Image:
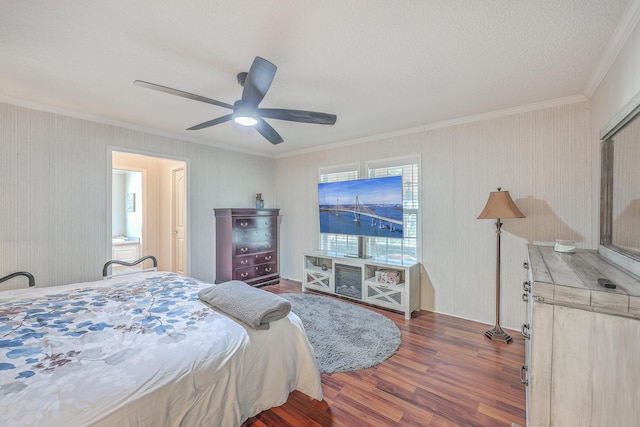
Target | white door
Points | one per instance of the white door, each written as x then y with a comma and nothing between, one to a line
179,221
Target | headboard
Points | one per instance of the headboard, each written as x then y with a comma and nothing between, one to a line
32,280
105,268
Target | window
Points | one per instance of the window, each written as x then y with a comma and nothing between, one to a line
379,247
406,248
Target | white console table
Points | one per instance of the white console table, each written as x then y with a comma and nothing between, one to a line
355,278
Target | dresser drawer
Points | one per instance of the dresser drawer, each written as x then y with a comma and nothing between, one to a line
251,260
255,271
252,248
250,223
255,235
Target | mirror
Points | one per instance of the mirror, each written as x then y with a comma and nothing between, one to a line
620,188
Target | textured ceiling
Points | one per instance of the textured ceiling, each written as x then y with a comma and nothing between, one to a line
380,65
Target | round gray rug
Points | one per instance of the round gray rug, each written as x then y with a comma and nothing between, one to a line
345,337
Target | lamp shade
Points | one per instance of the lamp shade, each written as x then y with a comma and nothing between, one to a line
500,205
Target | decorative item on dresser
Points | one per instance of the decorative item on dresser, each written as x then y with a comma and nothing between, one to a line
499,205
247,246
259,201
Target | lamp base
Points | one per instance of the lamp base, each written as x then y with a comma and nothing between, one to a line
497,334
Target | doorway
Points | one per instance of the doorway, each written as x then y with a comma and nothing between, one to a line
157,209
126,216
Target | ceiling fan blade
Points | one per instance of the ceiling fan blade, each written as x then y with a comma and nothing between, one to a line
182,94
298,116
258,81
212,122
268,132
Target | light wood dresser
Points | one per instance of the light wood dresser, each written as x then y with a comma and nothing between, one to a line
582,363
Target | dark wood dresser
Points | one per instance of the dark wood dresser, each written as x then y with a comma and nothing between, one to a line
247,246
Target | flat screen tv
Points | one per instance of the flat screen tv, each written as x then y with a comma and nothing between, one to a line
362,207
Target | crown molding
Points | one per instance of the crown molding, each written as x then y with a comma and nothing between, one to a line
444,124
125,125
621,34
431,126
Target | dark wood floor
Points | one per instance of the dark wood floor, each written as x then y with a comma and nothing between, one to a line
445,373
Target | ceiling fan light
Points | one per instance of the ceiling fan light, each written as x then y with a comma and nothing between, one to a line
245,120
244,114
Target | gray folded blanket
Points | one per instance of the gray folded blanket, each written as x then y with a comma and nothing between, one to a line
253,306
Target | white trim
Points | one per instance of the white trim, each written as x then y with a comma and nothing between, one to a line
346,167
624,116
621,34
146,153
444,124
431,126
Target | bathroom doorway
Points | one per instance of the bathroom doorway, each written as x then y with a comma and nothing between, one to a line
154,212
126,216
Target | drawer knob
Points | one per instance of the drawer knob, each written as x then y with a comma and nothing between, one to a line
245,274
244,224
526,286
244,261
268,270
525,297
244,249
525,265
267,258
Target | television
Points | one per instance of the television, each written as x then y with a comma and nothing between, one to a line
362,207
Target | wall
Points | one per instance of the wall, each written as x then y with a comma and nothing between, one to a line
55,218
542,157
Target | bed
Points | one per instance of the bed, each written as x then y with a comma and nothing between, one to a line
142,350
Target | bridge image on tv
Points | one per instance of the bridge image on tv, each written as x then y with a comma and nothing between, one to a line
362,220
369,207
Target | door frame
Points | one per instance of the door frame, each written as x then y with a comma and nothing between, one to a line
113,148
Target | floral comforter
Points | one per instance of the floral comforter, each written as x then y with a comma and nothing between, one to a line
142,350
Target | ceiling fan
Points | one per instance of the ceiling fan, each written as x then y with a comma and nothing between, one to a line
246,112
